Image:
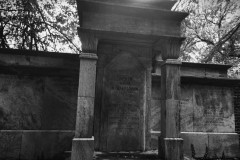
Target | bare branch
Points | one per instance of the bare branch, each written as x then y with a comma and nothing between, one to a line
218,45
205,40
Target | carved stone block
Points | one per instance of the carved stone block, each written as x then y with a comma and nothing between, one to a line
82,149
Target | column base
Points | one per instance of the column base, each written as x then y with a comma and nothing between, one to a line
170,148
82,149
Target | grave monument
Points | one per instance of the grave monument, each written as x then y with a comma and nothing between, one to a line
127,35
126,92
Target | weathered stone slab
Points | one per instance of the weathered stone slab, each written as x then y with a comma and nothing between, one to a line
129,24
33,103
200,70
224,142
214,73
123,103
213,109
10,57
45,144
82,149
154,139
192,71
155,115
203,108
58,104
10,144
204,70
216,143
156,106
199,141
173,148
64,143
36,145
20,103
186,109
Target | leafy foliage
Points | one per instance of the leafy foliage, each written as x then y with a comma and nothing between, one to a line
212,31
48,25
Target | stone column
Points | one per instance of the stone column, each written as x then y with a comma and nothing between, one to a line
170,143
83,142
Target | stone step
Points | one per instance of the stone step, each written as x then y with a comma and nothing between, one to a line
114,158
123,156
126,156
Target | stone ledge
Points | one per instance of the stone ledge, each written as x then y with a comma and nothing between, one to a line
88,56
217,143
172,61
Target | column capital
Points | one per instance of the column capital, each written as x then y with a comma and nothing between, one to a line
171,47
89,41
92,56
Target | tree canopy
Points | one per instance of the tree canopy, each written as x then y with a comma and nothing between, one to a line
48,25
212,31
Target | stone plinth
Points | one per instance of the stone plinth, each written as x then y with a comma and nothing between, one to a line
82,149
173,148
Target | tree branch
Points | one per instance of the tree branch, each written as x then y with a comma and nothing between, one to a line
205,40
218,45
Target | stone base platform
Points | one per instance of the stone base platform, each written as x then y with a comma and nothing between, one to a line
82,149
216,142
150,155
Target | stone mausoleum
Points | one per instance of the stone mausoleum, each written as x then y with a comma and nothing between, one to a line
127,92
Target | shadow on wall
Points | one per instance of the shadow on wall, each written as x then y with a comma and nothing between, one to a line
35,145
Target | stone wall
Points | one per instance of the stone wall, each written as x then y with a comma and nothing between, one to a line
38,100
207,109
207,118
35,144
37,116
237,109
37,103
204,108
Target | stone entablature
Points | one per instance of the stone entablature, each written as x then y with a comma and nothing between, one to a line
198,70
154,4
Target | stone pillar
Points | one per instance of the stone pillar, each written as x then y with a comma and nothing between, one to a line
170,145
83,142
